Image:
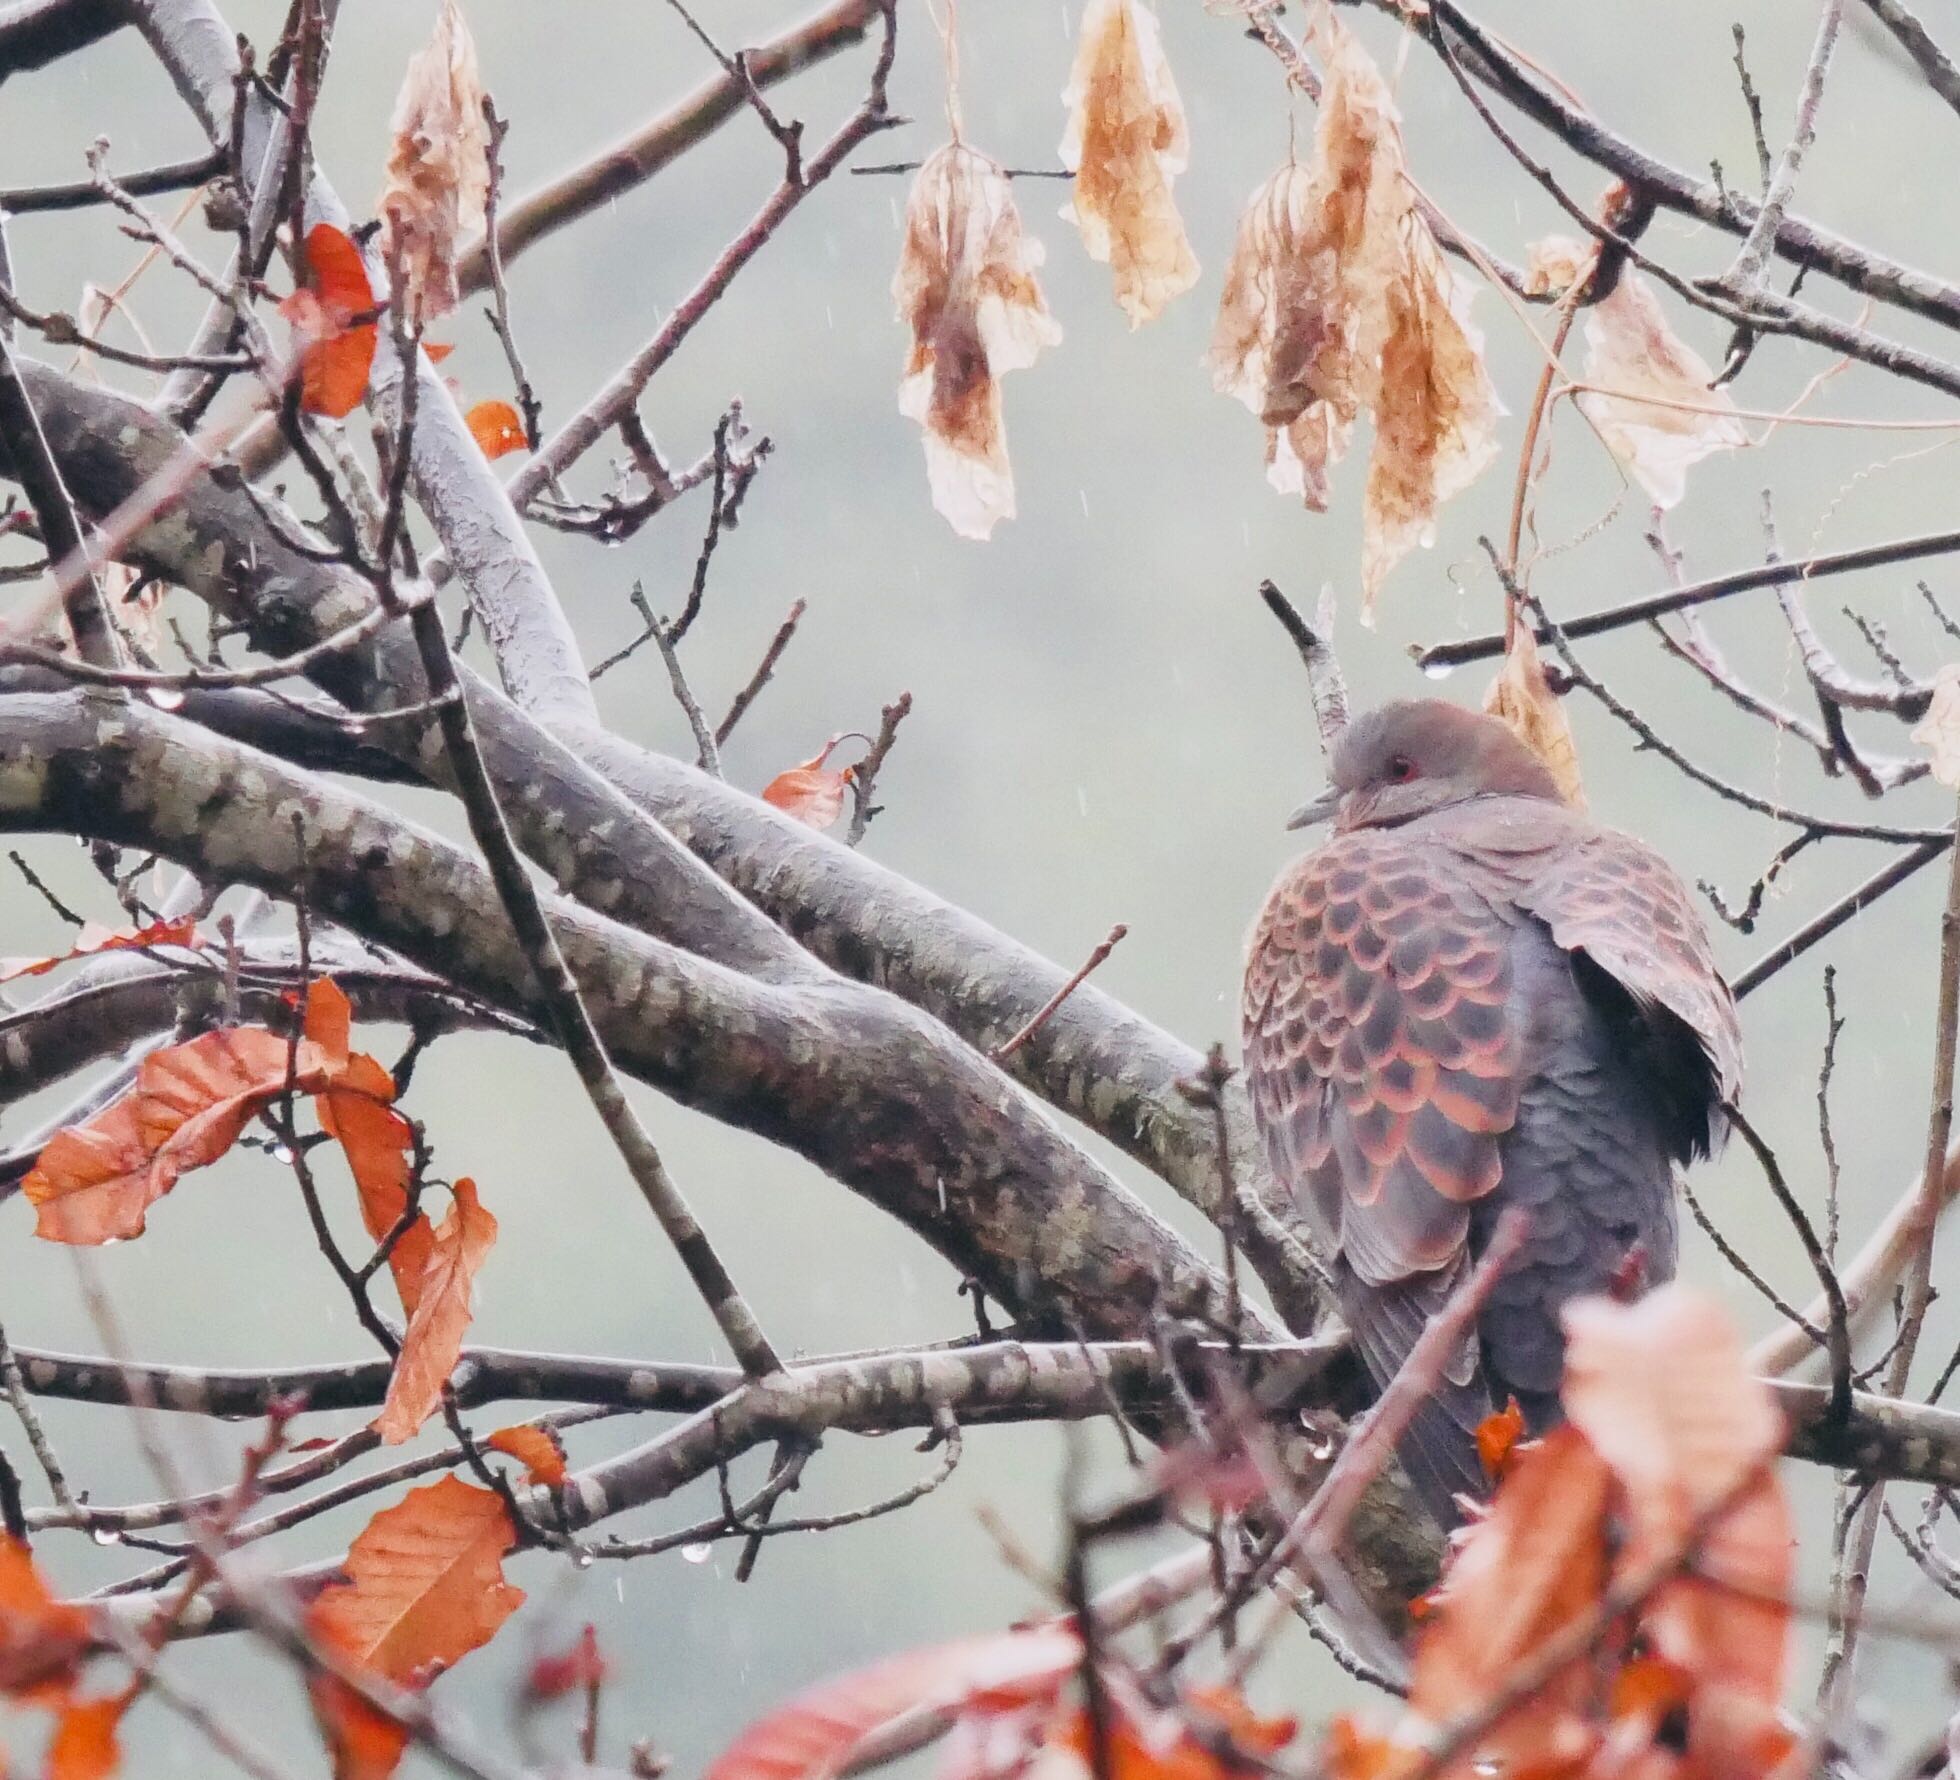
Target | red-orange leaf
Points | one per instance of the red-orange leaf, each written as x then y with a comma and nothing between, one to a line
497,428
336,344
810,792
434,1337
83,1746
94,1182
556,1674
538,1450
355,1109
1167,1749
425,1583
40,1637
812,1737
1497,1434
92,939
366,1744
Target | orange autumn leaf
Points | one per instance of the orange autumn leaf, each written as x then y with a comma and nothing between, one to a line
1126,143
425,1583
95,1182
1497,1437
434,1337
1167,1748
497,428
811,1737
365,1743
557,1673
41,1638
1663,1390
84,1746
1533,1567
93,938
966,288
332,318
538,1450
356,1110
811,792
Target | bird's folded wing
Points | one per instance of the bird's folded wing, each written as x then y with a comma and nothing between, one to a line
1615,899
1381,1052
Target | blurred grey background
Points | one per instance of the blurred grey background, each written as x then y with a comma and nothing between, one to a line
1107,727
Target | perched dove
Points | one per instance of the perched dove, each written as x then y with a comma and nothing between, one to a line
1473,997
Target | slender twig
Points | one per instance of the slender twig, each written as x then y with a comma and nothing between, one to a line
1592,624
864,775
37,1438
1913,37
765,669
1822,925
498,314
1007,1047
1325,684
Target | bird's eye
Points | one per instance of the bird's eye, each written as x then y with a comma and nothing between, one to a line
1401,769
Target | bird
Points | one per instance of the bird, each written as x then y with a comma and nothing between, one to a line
1473,997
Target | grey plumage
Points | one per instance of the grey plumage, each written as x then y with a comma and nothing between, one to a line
1474,997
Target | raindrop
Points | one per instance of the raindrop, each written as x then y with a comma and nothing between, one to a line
282,1153
165,698
581,1559
698,1554
1438,670
105,1535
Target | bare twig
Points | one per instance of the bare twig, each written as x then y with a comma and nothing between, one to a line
765,669
864,775
1009,1046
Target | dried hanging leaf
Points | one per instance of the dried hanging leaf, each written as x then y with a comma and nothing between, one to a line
433,1339
438,174
497,428
966,287
1663,1390
93,938
336,348
1126,143
41,1638
810,792
1555,263
1523,700
84,1746
1337,299
94,1182
538,1450
1939,729
1631,350
811,1737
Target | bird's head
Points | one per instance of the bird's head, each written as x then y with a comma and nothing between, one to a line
1417,755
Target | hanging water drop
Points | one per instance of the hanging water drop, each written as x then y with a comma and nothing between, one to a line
1437,670
165,698
697,1554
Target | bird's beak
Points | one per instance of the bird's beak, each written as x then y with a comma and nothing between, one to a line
1316,811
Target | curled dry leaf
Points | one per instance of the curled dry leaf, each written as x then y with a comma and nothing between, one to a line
496,427
1939,730
1662,418
1523,700
966,287
811,792
433,1339
538,1450
438,174
335,345
1337,299
1555,263
93,938
1663,1391
1126,143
